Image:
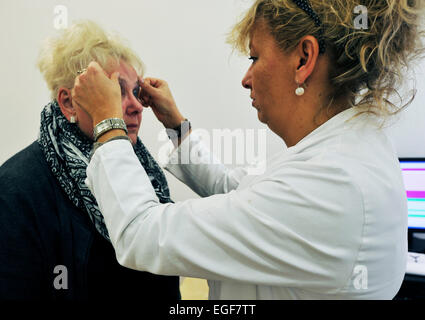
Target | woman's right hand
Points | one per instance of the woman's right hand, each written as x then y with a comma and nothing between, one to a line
156,95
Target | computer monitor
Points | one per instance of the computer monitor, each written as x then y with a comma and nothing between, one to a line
413,170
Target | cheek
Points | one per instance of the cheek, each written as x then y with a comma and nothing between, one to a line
261,87
262,79
138,116
274,83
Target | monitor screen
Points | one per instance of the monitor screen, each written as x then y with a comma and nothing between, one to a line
413,171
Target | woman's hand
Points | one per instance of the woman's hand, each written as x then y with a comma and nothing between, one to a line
97,94
156,94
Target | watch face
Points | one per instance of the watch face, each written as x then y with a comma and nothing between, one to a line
108,124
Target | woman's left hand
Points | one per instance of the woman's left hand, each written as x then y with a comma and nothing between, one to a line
97,93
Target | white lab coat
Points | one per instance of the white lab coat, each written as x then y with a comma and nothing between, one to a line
327,219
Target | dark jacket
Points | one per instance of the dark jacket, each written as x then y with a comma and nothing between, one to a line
50,250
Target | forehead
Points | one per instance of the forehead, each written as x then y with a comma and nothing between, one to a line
260,35
264,43
126,71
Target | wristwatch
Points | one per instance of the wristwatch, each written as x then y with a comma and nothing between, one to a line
180,130
107,125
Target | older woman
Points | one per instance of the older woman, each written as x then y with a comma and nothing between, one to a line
327,220
53,239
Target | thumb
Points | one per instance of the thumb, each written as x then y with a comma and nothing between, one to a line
147,88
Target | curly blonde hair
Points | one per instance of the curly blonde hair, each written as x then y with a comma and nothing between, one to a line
61,57
367,65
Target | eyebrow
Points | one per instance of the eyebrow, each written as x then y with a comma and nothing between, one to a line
251,46
124,83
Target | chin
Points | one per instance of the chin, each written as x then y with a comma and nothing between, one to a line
261,118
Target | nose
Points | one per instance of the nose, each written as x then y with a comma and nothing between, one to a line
247,80
132,106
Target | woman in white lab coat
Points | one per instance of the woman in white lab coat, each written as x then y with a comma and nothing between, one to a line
328,217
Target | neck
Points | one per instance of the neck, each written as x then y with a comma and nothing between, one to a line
306,117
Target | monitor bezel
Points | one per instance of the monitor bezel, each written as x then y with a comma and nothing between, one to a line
411,159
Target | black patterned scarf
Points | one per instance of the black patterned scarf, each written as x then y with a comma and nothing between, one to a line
67,151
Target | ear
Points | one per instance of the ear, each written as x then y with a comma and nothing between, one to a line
64,99
307,53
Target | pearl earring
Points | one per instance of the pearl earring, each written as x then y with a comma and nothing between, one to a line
299,91
73,119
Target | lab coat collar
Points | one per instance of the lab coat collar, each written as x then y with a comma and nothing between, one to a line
334,126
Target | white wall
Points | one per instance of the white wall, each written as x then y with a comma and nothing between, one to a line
408,133
181,41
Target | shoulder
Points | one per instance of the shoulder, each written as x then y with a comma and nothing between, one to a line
30,153
30,199
25,179
26,168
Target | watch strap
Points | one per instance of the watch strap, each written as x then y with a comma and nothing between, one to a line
180,130
97,145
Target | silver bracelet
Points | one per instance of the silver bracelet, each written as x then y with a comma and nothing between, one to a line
108,125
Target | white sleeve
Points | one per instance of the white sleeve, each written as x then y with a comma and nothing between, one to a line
281,232
194,165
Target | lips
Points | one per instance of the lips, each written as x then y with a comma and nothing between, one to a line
253,99
132,126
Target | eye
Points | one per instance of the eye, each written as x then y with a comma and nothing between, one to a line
136,92
253,59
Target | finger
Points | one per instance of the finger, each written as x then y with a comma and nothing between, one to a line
93,65
78,105
155,82
145,104
146,100
142,96
115,76
144,81
76,85
74,99
147,89
140,81
95,68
